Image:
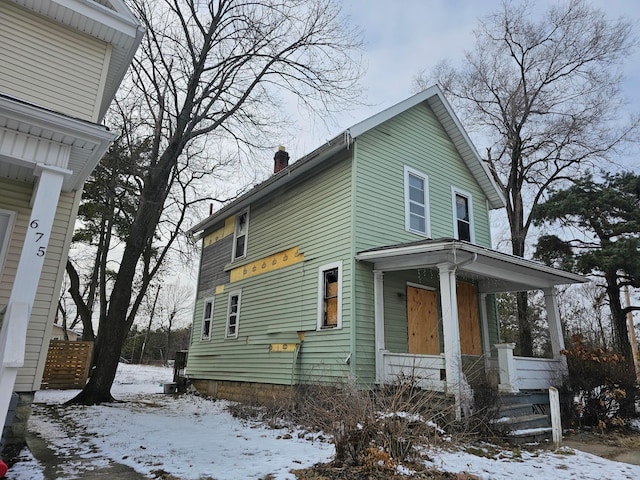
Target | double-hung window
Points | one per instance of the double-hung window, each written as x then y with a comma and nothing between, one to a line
240,235
6,225
233,314
207,319
416,202
462,216
330,296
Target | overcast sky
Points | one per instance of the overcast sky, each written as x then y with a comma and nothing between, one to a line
404,37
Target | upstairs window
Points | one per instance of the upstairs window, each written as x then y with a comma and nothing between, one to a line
207,319
463,216
330,296
240,235
416,202
233,314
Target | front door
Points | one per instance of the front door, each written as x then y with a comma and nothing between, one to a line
468,319
422,315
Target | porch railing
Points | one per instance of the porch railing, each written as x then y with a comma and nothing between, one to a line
426,369
526,373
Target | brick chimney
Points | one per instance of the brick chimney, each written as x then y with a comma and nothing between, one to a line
280,160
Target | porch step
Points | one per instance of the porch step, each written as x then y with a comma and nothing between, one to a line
522,422
533,435
524,417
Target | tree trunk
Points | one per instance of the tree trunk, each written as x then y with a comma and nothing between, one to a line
518,237
618,316
114,328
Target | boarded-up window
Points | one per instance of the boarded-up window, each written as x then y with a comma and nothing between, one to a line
207,318
330,296
469,319
422,318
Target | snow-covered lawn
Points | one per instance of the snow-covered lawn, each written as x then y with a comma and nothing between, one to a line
191,437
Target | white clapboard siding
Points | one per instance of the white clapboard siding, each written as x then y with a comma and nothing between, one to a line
15,196
49,65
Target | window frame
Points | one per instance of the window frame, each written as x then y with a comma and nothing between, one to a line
234,253
210,300
320,326
5,237
408,172
455,192
232,294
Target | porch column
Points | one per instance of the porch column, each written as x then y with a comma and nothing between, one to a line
555,327
508,369
378,302
44,203
451,333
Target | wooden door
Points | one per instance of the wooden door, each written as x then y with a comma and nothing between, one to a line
422,317
468,319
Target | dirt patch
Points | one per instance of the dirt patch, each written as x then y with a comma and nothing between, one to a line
619,446
330,471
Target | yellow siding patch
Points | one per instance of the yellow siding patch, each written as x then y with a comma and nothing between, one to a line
282,347
228,229
219,289
267,264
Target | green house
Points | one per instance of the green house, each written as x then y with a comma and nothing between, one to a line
367,258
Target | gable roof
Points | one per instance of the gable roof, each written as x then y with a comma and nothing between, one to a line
432,96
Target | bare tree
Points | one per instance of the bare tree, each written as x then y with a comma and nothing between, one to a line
208,73
546,94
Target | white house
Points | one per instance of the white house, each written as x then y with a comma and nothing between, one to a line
61,62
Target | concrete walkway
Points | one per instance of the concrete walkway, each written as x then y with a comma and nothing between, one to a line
70,466
611,450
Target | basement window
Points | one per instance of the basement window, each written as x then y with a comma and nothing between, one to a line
330,296
207,319
233,314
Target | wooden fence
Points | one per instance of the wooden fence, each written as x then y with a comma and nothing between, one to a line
68,364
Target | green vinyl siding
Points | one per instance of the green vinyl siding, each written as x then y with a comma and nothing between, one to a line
314,216
417,140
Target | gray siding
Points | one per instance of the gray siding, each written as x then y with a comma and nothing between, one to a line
213,260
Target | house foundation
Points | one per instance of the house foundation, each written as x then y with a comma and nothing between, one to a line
246,392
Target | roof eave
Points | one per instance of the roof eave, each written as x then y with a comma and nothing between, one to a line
274,182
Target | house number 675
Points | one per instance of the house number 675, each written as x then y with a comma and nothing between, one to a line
39,235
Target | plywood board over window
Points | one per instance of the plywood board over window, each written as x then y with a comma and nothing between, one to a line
422,316
468,319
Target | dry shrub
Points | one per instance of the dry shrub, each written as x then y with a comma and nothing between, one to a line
378,427
601,386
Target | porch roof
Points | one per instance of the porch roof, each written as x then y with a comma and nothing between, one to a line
494,271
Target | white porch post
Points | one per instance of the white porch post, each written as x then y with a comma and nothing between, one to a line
555,327
378,301
16,319
451,333
508,370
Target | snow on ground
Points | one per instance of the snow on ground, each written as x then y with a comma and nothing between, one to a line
192,437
